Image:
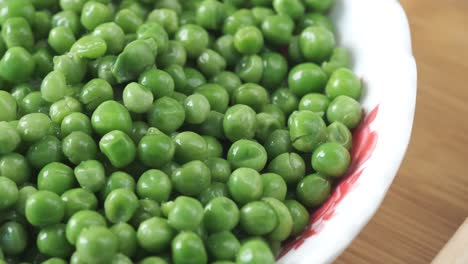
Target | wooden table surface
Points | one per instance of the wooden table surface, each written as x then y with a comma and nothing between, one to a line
429,198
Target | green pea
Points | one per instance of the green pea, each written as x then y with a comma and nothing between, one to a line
33,127
345,110
211,63
343,82
136,57
75,122
313,190
285,222
54,87
315,19
307,130
261,11
43,61
120,205
44,151
14,238
97,244
255,251
155,234
17,65
94,14
62,108
16,32
54,261
118,180
154,185
340,58
223,246
245,185
292,8
228,80
224,46
275,69
248,40
221,214
314,102
194,39
55,177
118,147
194,79
15,167
299,214
159,82
61,39
339,133
331,159
266,125
9,107
220,169
156,150
166,114
217,96
216,189
110,116
156,32
278,29
96,92
317,43
127,238
210,14
166,17
79,147
319,6
214,147
247,154
137,98
306,78
77,200
170,4
21,8
113,35
44,208
72,5
175,54
90,175
128,20
239,122
258,218
18,93
189,146
8,193
104,69
72,66
250,69
82,220
197,108
239,19
290,166
90,47
146,210
68,19
51,241
212,126
9,138
152,260
187,248
277,143
186,213
192,178
274,186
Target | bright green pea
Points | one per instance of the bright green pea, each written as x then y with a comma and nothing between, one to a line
54,87
79,147
278,29
54,261
118,147
82,220
9,107
113,35
21,8
299,214
217,96
224,46
274,186
313,190
97,244
261,11
345,110
14,238
127,238
306,78
33,127
194,79
266,125
258,218
220,169
214,147
221,214
154,185
72,66
16,32
76,122
197,108
167,18
120,205
120,258
194,39
275,70
292,8
72,5
167,114
152,260
128,20
175,54
285,222
178,75
55,177
187,247
315,19
8,193
61,39
247,154
90,47
213,125
314,102
216,189
239,19
223,246
44,151
248,40
51,241
18,93
343,82
228,80
155,32
155,234
159,82
62,108
189,146
285,99
319,5
192,178
43,61
118,180
290,166
97,91
331,159
109,116
137,98
146,210
156,151
316,43
104,68
278,142
255,251
341,58
245,185
186,213
94,14
90,175
211,63
17,65
77,200
136,7
15,166
339,133
44,208
9,138
210,14
136,57
307,130
250,69
239,122
68,19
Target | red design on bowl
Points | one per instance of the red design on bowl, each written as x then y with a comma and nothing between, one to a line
364,142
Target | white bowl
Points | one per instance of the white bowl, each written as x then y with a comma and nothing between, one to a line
377,33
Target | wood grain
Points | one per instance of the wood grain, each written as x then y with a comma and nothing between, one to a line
429,198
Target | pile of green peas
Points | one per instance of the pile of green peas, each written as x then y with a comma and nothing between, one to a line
168,131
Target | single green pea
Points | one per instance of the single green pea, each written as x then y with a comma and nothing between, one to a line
79,147
76,122
319,6
77,200
307,130
299,214
216,189
136,57
248,40
294,8
275,70
192,178
33,127
82,220
17,65
220,169
316,43
155,234
175,54
210,62
278,142
250,68
274,186
55,177
16,32
197,108
166,17
217,96
51,241
8,193
223,246
210,14
178,75
277,29
214,147
61,39
228,80
9,138
62,108
127,238
15,166
159,82
166,114
137,98
22,8
340,58
258,218
94,14
90,175
266,125
156,32
285,99
154,185
118,147
18,93
90,47
113,35
104,67
96,92
247,154
314,102
194,39
194,79
225,47
68,19
306,78
120,258
339,133
285,222
44,62
136,7
313,190
186,213
239,122
187,247
290,166
315,19
221,214
44,151
118,180
146,210
239,19
261,11
189,146
54,87
156,151
97,244
245,185
213,125
255,251
343,82
345,110
44,208
109,116
331,159
128,20
72,66
14,238
120,205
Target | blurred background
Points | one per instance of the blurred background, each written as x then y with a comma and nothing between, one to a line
429,198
